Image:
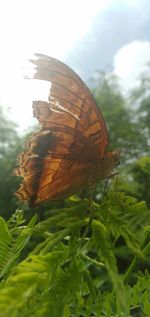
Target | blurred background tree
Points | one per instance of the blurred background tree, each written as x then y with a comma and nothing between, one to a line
140,98
10,146
122,118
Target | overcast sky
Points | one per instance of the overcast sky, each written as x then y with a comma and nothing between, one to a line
119,39
89,35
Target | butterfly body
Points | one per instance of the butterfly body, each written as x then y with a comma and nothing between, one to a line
70,150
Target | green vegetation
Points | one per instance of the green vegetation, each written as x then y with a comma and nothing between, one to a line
67,266
77,258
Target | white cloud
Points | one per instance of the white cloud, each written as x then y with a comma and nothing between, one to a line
130,61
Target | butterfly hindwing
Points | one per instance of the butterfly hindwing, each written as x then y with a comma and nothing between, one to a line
54,165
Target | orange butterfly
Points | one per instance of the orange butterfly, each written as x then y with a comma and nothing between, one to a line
70,150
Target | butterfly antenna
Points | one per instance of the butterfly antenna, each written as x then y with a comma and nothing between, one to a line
138,132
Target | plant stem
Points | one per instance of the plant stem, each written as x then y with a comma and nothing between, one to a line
92,261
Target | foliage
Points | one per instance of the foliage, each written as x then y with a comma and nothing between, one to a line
10,146
70,265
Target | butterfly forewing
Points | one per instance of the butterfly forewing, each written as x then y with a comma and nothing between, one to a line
70,98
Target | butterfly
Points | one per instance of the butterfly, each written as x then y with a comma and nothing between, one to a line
69,151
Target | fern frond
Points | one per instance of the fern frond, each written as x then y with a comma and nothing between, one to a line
10,246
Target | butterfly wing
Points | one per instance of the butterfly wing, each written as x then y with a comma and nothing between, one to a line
61,158
54,165
70,102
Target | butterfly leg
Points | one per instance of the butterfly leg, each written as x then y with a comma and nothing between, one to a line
107,181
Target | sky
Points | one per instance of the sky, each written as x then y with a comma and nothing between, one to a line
89,35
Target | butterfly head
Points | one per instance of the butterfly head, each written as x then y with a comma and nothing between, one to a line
112,160
107,164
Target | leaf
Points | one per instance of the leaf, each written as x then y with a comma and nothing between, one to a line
4,232
10,248
106,254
